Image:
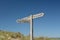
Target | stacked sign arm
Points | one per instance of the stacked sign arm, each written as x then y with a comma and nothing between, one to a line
38,15
23,20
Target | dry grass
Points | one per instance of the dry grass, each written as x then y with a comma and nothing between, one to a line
5,35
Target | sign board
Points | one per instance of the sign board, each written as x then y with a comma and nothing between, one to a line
27,19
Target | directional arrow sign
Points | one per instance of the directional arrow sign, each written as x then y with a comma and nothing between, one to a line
38,15
27,19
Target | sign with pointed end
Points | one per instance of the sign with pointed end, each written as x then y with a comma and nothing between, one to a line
27,19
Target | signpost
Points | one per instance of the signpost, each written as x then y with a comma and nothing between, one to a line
29,19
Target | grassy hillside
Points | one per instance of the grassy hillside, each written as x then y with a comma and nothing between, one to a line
5,35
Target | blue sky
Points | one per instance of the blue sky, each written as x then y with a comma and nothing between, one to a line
49,25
